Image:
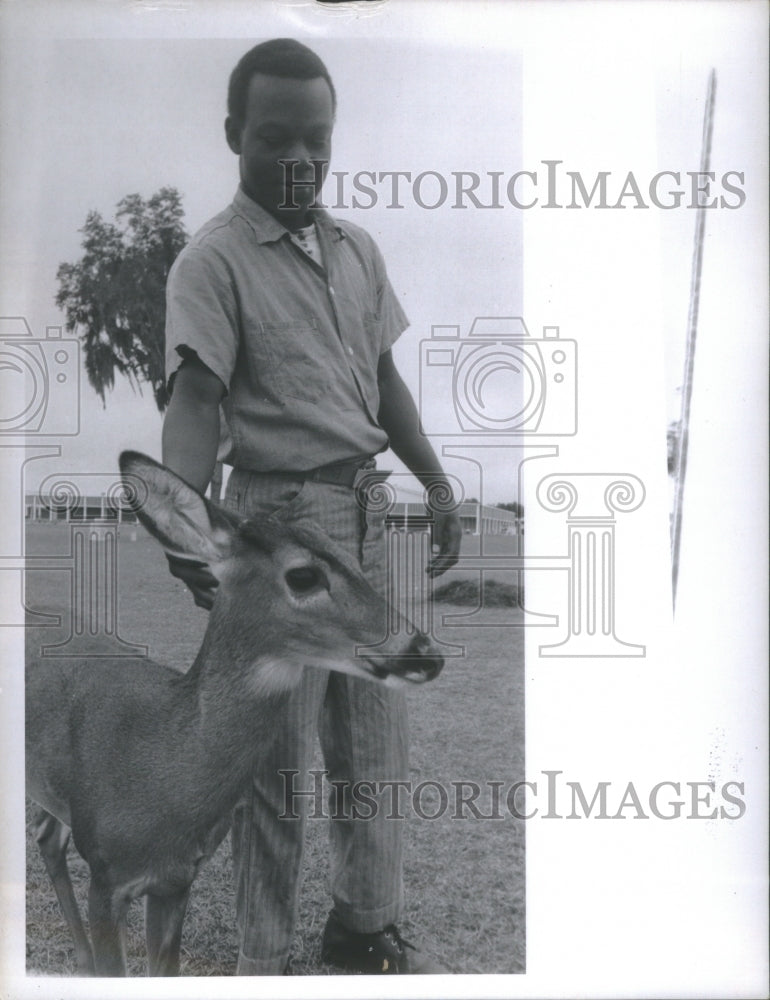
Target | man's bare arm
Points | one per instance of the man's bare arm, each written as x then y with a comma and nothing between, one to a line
190,443
191,426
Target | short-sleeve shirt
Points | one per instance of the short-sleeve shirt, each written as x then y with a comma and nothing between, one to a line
295,344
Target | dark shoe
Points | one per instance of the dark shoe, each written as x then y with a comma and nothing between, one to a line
384,952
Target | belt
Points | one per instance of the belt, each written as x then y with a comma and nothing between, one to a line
336,473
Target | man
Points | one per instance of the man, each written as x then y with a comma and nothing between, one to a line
284,318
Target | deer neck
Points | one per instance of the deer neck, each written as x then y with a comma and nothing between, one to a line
237,700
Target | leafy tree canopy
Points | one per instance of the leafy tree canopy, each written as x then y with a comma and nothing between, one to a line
513,505
114,296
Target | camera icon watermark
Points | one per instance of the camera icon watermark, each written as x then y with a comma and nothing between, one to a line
501,380
40,381
498,397
39,403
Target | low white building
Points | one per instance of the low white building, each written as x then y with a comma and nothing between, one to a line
407,510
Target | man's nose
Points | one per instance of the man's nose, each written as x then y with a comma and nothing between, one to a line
300,152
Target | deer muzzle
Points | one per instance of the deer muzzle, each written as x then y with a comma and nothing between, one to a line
419,662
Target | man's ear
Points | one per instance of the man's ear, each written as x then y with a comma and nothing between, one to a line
233,135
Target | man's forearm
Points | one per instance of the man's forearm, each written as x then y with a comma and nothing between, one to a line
419,457
401,422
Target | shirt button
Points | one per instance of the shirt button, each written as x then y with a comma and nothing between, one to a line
331,290
350,351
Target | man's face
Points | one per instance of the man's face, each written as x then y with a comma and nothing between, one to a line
285,120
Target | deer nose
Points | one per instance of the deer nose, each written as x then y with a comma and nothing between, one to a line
422,660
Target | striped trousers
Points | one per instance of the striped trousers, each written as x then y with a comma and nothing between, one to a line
364,737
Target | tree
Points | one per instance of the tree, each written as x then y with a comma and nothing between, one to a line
114,296
513,505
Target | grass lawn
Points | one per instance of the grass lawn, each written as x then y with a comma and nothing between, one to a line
464,876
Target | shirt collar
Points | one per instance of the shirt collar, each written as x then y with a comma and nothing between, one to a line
268,230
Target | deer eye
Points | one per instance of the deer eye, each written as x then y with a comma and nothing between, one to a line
305,579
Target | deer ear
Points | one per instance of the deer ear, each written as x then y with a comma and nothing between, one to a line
183,521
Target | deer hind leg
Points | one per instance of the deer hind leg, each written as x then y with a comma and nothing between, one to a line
107,916
164,917
53,837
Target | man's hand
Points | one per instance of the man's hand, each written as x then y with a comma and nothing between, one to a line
446,536
197,576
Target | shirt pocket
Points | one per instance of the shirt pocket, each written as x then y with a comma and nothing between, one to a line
299,366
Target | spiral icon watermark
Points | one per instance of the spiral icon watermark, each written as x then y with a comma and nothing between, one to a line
60,496
443,497
127,493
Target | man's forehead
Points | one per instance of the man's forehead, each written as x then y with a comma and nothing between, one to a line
269,93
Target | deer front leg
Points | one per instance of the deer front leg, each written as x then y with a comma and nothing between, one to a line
53,837
107,917
163,920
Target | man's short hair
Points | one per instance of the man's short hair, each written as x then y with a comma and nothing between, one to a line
284,57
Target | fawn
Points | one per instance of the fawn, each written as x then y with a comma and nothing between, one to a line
141,764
